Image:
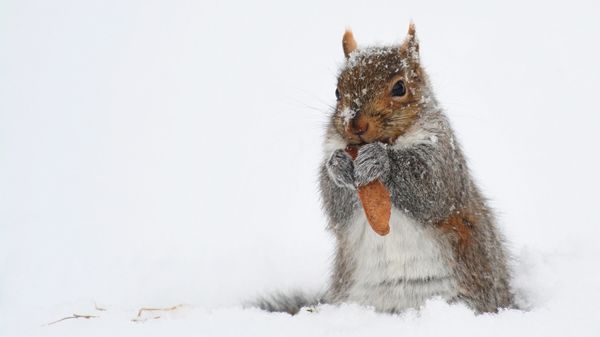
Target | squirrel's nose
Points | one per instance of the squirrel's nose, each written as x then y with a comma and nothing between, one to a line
359,128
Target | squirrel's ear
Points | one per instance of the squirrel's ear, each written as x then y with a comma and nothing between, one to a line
348,43
411,43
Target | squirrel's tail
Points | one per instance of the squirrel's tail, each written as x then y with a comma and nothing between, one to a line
290,302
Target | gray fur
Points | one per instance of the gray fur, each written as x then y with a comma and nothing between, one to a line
371,163
290,303
341,169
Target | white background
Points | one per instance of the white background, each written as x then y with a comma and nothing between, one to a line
163,152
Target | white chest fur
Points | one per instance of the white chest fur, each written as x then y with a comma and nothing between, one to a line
400,270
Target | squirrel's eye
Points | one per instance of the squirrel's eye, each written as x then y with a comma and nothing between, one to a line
337,94
398,90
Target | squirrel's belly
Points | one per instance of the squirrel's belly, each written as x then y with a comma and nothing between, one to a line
400,270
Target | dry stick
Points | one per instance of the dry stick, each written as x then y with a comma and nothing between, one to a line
72,317
138,318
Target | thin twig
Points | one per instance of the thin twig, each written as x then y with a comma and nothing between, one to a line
139,318
72,317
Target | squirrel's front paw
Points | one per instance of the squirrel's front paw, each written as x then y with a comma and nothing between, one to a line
372,162
341,169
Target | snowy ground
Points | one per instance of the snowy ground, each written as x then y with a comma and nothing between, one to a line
154,153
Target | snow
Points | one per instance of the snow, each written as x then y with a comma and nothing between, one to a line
363,54
347,113
163,153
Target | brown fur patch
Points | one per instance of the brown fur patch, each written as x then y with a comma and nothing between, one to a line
412,30
458,225
404,110
348,42
411,39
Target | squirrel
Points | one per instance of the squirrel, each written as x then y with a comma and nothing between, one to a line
444,241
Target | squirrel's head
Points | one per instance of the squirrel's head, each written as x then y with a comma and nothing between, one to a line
379,91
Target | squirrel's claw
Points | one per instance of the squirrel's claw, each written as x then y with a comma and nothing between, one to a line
341,169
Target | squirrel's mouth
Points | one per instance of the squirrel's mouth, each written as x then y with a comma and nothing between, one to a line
358,142
361,141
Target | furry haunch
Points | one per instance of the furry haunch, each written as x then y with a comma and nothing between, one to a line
443,240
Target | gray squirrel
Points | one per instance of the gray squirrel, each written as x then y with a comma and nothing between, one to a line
443,240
